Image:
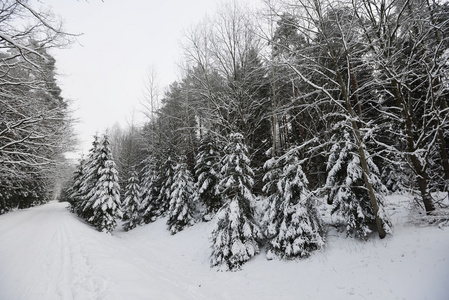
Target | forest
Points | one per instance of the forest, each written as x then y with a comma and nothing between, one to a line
35,120
278,112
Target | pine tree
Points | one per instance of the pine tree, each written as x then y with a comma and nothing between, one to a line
236,235
131,204
347,190
150,192
293,226
207,169
181,206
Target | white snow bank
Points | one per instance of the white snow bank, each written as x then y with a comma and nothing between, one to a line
48,253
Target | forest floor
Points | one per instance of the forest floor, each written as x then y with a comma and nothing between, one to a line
48,253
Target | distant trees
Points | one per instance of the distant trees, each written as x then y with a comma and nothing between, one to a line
34,119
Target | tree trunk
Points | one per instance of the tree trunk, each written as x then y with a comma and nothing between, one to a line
421,174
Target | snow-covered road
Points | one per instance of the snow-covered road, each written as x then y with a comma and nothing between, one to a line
43,256
48,253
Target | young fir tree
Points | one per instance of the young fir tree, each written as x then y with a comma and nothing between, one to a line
207,168
346,187
180,213
131,204
292,223
150,187
104,198
236,236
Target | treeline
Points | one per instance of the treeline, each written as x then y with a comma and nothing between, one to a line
34,118
308,102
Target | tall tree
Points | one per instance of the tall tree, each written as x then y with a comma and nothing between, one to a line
332,67
407,42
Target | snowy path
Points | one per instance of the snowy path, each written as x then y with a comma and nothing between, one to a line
47,253
42,257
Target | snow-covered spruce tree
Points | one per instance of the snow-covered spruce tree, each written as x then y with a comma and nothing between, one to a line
180,213
88,180
131,204
273,200
162,202
207,168
75,196
293,226
236,235
103,200
346,187
150,187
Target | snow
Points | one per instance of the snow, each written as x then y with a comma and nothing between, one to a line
48,253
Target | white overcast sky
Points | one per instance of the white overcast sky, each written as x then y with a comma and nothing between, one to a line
105,70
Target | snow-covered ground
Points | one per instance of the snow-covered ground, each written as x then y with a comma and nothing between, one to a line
48,253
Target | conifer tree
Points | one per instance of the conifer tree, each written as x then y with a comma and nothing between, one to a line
89,180
131,204
150,187
102,207
293,226
207,169
347,191
272,214
236,235
181,206
75,197
162,203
